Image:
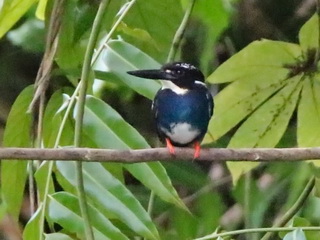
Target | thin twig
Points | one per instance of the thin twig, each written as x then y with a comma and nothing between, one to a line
294,209
162,154
180,32
256,230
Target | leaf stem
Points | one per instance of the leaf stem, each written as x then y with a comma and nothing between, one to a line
294,209
125,10
80,111
180,32
150,203
257,230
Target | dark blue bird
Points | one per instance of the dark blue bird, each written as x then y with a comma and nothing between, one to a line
183,107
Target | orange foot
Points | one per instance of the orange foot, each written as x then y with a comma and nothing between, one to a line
197,149
170,146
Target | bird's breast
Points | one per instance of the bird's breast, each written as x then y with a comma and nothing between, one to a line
181,133
182,117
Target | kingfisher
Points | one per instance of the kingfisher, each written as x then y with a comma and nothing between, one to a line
183,106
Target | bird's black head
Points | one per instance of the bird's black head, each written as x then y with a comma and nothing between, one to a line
181,74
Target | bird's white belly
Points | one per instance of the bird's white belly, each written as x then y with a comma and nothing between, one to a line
181,133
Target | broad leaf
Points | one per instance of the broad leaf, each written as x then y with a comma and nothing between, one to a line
309,108
295,235
64,209
53,116
254,78
265,127
110,196
16,134
309,115
32,230
243,97
265,87
309,34
258,58
302,222
107,129
57,236
120,57
41,9
160,19
11,12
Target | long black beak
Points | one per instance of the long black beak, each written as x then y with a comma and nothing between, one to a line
150,74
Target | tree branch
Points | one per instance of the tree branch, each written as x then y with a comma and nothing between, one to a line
162,154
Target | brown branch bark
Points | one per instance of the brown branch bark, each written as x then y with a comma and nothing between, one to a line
161,154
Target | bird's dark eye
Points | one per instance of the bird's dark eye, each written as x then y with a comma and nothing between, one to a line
178,72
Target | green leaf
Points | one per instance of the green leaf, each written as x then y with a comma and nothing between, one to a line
29,36
309,34
111,197
11,12
32,229
265,127
41,9
208,202
302,222
295,235
308,132
64,209
184,224
254,78
52,120
243,97
138,33
70,53
107,129
154,176
120,57
215,15
160,19
180,173
41,179
57,236
13,172
258,58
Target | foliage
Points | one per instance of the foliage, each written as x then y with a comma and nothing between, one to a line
269,81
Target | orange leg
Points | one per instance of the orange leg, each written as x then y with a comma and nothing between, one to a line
197,149
170,146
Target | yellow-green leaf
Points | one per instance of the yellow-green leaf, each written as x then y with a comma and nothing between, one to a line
309,34
266,126
11,12
257,58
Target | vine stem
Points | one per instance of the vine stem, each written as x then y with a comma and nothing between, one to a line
257,230
247,202
69,108
80,111
180,32
294,209
51,163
